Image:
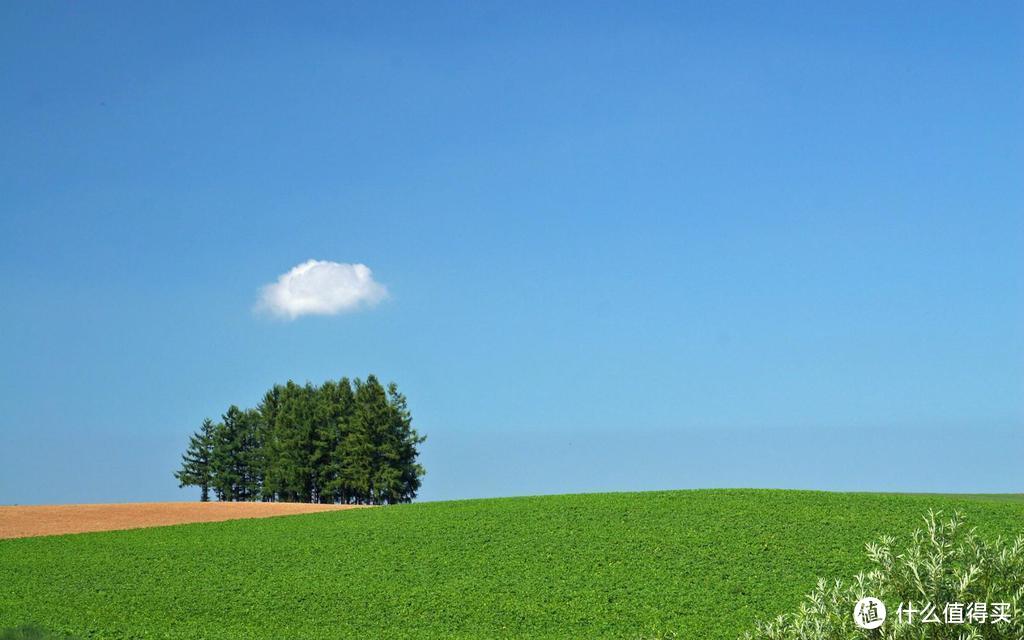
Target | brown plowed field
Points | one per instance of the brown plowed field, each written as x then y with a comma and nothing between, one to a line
22,522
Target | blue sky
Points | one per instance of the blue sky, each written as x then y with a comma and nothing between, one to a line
625,247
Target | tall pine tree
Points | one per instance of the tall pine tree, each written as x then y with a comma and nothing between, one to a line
334,418
195,462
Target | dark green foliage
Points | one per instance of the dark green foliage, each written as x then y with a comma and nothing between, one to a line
226,460
684,564
195,462
327,443
236,462
330,447
379,452
398,475
291,450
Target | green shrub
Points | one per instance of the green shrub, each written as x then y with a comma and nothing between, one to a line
945,563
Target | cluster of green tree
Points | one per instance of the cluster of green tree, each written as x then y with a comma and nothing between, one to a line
340,442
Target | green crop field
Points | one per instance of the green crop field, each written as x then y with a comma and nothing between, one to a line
688,564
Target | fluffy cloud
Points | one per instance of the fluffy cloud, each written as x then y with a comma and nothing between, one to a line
323,288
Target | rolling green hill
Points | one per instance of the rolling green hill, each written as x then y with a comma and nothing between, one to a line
697,564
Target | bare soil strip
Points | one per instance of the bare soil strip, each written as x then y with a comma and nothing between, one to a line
26,521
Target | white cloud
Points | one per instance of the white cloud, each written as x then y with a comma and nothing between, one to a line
321,287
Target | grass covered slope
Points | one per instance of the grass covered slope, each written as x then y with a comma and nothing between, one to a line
699,564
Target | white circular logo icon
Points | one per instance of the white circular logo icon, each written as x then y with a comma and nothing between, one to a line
869,613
